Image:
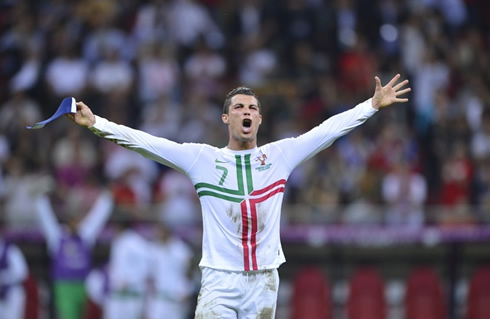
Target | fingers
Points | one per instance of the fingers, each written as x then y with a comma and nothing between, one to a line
400,85
394,80
403,91
402,100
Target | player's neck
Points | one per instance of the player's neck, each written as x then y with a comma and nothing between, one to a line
235,145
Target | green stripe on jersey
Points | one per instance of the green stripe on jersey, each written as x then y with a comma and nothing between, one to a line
207,189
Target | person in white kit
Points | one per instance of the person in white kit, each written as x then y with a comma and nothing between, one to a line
170,274
240,188
128,272
13,273
97,288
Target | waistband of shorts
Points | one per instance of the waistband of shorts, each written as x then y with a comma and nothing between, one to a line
245,272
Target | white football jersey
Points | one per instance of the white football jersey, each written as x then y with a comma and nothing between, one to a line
241,192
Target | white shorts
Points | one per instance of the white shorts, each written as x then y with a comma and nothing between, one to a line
237,294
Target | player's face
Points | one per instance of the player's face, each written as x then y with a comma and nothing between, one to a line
243,121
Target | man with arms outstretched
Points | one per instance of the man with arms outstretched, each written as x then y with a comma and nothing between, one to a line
241,188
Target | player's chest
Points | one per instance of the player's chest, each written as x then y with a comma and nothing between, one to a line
241,174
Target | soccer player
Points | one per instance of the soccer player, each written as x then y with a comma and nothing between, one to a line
241,187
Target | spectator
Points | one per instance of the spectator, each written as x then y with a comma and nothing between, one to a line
171,260
97,288
112,74
198,24
73,158
162,117
128,269
151,23
67,73
13,273
104,33
432,75
480,142
158,73
176,200
204,70
70,244
482,191
20,185
17,112
404,192
130,174
457,175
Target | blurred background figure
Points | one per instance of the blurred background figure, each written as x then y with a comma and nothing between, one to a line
176,201
170,276
13,273
128,269
404,192
21,183
67,74
74,159
97,288
70,241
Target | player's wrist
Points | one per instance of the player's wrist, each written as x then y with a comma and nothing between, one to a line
91,120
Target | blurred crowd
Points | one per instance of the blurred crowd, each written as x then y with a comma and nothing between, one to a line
165,66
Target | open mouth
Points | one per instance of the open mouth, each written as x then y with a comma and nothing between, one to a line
247,126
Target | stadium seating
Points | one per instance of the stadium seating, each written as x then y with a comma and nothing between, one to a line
311,295
366,299
424,297
478,300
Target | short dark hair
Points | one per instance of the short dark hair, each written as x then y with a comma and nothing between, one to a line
239,90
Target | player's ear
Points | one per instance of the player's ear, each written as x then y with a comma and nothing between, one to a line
224,118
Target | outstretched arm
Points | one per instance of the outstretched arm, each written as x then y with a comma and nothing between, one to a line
389,94
172,154
297,150
94,222
83,116
48,222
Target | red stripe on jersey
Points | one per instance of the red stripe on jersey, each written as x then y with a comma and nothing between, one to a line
246,261
271,186
253,210
254,222
253,235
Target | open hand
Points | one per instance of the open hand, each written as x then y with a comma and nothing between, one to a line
389,94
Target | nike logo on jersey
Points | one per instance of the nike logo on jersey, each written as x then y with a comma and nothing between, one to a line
218,161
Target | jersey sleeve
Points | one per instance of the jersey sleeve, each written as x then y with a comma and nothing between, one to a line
299,149
180,156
